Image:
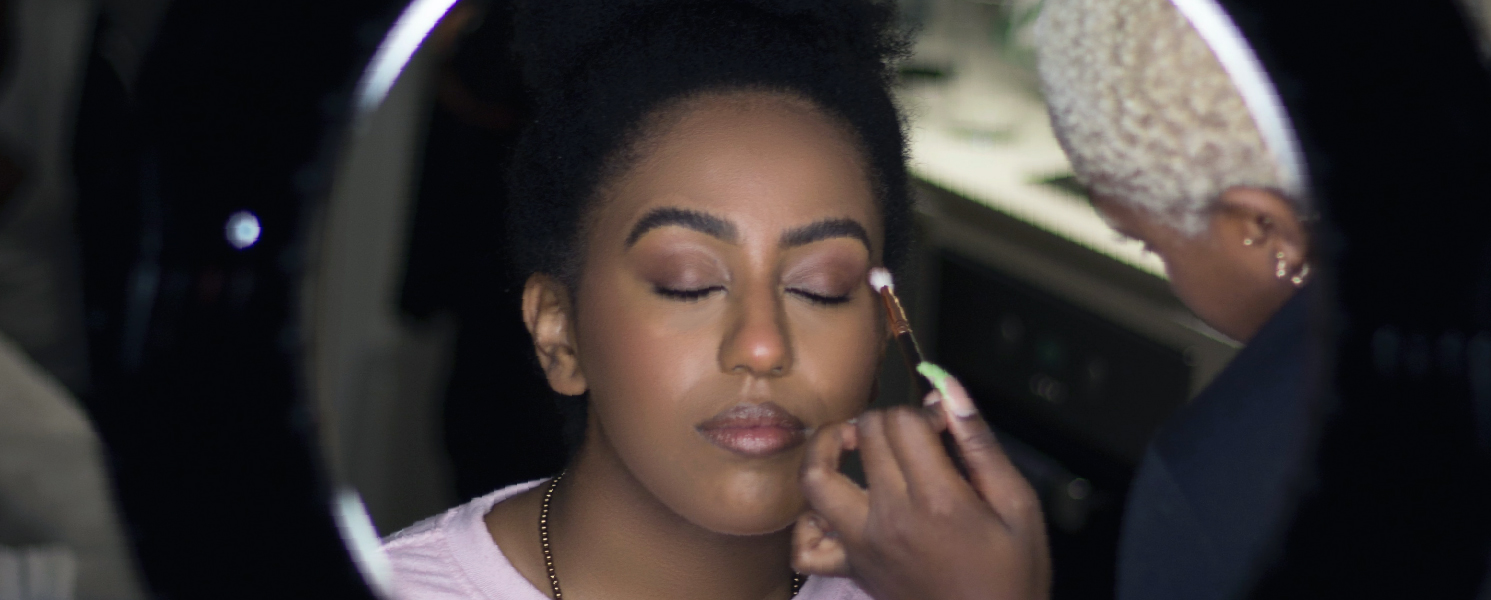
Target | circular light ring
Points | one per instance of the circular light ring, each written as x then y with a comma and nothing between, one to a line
1232,50
393,54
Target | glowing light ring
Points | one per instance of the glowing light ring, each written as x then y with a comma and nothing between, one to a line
408,32
361,538
1258,91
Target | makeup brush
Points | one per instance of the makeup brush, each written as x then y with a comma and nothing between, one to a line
884,284
926,375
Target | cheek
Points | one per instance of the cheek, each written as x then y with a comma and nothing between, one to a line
1183,280
1200,281
837,354
639,364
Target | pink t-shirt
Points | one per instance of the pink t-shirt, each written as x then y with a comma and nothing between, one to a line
451,556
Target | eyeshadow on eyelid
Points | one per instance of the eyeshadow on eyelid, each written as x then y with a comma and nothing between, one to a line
684,268
832,280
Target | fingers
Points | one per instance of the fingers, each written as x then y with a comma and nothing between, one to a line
932,411
816,551
882,472
989,469
931,478
834,496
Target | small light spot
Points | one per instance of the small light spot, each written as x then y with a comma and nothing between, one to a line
1078,489
242,229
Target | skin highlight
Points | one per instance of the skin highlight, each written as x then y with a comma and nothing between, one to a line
725,269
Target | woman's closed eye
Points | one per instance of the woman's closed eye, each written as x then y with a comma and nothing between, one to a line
826,278
697,294
687,294
818,297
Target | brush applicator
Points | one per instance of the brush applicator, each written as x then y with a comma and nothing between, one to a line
882,282
927,376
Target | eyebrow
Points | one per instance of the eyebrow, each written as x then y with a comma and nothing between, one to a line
701,222
724,230
826,229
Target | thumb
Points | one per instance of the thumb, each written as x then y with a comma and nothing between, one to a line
816,550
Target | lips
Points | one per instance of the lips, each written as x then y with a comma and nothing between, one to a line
754,430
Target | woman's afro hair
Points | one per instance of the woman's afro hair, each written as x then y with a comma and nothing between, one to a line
601,69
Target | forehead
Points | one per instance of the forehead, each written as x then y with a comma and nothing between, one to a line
766,161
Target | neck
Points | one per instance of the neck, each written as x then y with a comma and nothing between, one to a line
612,538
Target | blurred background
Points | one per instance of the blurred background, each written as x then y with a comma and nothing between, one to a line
422,380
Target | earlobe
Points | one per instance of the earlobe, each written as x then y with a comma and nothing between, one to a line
1264,224
547,311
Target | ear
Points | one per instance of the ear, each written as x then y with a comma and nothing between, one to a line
547,311
1264,228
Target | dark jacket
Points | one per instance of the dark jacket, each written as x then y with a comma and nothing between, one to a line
1215,485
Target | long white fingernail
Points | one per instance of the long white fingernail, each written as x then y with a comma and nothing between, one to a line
932,399
948,387
960,404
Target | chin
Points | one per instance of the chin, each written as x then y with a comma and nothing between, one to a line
746,504
748,523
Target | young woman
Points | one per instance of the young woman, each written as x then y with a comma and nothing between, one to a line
703,193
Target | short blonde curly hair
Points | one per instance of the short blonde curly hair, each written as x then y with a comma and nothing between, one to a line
1145,111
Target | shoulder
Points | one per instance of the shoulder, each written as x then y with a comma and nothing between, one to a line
451,556
1251,423
424,566
1217,478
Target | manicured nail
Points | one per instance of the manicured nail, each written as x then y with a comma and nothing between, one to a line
948,387
932,399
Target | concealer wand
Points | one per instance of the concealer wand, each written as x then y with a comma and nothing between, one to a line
927,376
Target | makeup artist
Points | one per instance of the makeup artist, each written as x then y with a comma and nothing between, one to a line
1161,137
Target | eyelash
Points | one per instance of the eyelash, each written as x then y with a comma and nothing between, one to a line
696,295
820,299
693,295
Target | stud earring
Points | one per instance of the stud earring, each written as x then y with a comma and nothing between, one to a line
1247,241
1299,278
1281,269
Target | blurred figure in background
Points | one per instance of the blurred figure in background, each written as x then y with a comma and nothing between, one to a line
1160,135
60,535
40,302
1172,157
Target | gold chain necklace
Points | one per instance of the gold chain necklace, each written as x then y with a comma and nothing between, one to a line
543,538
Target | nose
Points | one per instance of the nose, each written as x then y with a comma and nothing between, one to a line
757,343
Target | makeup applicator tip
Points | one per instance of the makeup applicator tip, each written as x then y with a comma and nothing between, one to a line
880,279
